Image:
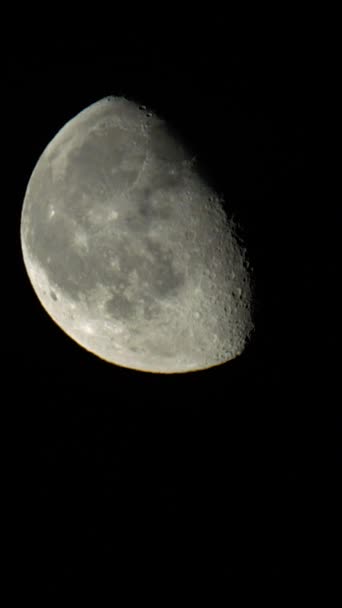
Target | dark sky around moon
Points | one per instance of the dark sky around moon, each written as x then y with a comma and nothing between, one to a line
237,457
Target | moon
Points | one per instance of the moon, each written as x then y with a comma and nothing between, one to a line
130,250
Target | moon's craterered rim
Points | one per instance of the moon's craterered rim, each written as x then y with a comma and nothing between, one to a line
129,250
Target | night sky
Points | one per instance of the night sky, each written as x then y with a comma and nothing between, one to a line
233,470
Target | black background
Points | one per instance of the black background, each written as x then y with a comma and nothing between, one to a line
216,473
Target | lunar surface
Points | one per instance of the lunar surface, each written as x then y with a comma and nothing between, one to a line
129,250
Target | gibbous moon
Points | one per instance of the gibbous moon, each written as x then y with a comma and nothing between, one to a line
129,250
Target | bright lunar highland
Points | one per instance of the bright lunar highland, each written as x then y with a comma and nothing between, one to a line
129,249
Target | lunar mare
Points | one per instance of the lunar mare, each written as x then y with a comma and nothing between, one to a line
129,250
